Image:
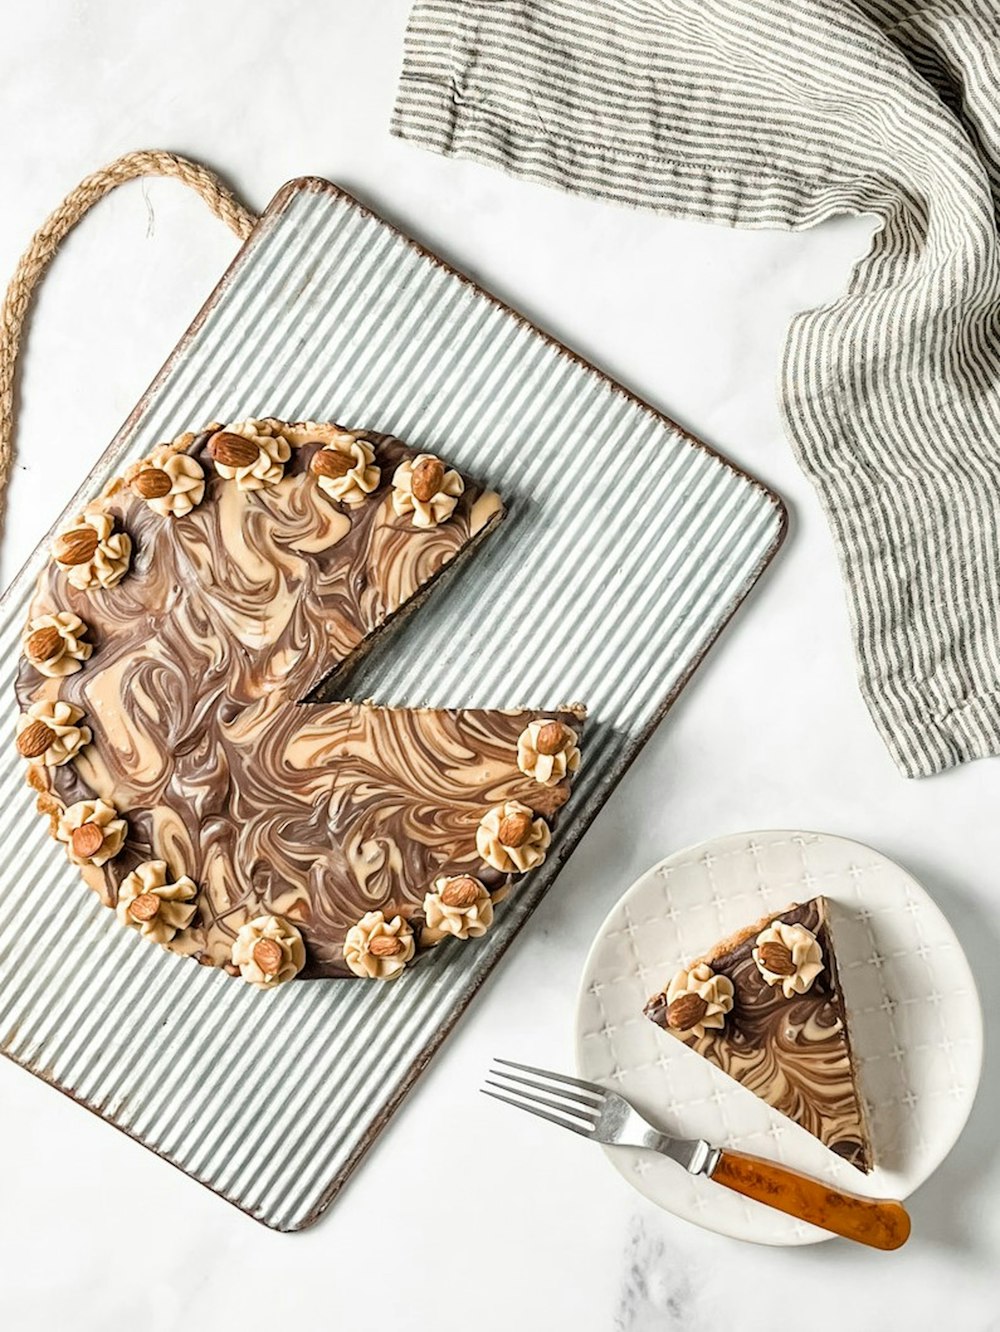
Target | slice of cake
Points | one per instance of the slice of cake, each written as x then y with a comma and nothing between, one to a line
176,642
766,1007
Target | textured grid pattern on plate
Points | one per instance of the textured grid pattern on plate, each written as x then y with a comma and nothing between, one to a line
605,584
914,1013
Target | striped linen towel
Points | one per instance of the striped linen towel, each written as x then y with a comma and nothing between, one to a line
781,113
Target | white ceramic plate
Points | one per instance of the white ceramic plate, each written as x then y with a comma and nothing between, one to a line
915,1020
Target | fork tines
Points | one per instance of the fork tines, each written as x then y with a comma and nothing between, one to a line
542,1093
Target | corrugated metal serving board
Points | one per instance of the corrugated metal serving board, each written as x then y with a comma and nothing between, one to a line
627,547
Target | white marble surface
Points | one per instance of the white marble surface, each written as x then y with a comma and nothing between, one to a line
467,1215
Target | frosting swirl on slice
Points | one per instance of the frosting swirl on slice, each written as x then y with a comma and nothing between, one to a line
424,487
150,903
458,905
379,949
50,731
698,1000
547,751
92,831
56,644
789,956
268,951
510,839
91,553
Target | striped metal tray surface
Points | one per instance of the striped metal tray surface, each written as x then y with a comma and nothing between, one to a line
627,547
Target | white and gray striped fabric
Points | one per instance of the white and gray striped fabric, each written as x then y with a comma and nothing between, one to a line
781,113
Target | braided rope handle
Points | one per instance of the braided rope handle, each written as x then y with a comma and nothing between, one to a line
47,239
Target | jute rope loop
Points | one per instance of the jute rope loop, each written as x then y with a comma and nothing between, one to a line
58,225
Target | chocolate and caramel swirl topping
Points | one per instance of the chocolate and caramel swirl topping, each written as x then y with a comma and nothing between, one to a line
200,718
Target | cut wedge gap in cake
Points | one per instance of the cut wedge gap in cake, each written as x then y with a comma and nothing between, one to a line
766,1007
345,679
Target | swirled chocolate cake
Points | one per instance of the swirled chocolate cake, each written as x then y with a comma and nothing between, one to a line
766,1007
176,645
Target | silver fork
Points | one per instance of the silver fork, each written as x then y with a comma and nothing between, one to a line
605,1116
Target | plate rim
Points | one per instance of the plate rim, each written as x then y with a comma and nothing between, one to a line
975,1004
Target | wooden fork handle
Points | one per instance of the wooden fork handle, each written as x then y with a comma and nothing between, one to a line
883,1225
